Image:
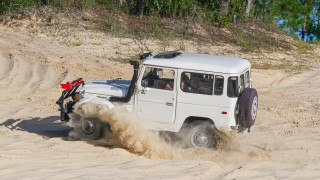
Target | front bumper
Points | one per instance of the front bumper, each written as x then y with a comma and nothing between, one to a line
70,91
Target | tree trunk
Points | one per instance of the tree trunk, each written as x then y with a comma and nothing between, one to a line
318,27
224,7
303,33
249,4
140,7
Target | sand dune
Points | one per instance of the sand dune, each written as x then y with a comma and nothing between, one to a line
18,74
34,144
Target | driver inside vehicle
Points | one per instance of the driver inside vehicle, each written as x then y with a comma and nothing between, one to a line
169,85
185,83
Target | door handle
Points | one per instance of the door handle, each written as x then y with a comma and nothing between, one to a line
169,104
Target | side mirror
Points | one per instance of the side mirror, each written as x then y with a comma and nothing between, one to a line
145,55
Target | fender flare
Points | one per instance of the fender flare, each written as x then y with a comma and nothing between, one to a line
95,101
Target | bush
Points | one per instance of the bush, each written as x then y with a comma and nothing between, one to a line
207,10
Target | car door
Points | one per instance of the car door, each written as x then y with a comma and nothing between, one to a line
156,98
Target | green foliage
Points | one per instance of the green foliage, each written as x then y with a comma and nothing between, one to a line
292,15
181,8
266,10
153,25
12,5
207,10
256,39
237,8
298,16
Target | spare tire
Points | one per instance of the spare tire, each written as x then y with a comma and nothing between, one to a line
248,106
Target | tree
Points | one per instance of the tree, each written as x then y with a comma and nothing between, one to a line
224,7
295,15
266,10
306,11
249,4
140,7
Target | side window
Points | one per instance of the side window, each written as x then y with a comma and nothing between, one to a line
218,85
158,78
247,79
242,82
198,83
232,86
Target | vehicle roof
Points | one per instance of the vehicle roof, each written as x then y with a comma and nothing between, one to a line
202,62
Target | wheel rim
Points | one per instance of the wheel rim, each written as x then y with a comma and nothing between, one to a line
254,108
88,127
200,139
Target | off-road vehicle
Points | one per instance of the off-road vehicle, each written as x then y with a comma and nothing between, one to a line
173,92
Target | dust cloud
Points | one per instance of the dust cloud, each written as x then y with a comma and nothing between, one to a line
128,133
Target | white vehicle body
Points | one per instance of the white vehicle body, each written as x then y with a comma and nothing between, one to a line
167,110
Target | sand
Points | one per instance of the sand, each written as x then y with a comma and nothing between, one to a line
34,144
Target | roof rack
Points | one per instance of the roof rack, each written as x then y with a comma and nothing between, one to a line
168,54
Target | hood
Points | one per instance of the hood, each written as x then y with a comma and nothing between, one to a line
106,88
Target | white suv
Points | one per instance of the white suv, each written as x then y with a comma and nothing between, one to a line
174,92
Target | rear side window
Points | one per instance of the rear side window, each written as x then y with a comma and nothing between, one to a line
218,85
232,86
198,83
247,79
242,82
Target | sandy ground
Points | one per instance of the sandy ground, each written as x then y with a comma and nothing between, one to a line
34,144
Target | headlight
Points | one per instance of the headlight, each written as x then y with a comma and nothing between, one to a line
77,97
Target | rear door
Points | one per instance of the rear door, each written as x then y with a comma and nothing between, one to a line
156,100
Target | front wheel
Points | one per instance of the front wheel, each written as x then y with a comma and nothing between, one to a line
90,129
200,135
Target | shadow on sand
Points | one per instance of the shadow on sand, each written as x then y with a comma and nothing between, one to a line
48,127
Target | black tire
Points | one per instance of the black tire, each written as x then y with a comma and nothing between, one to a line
248,106
90,128
200,134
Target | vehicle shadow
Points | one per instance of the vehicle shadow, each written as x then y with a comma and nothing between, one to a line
52,127
48,127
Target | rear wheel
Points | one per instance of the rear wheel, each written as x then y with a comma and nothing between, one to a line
200,134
